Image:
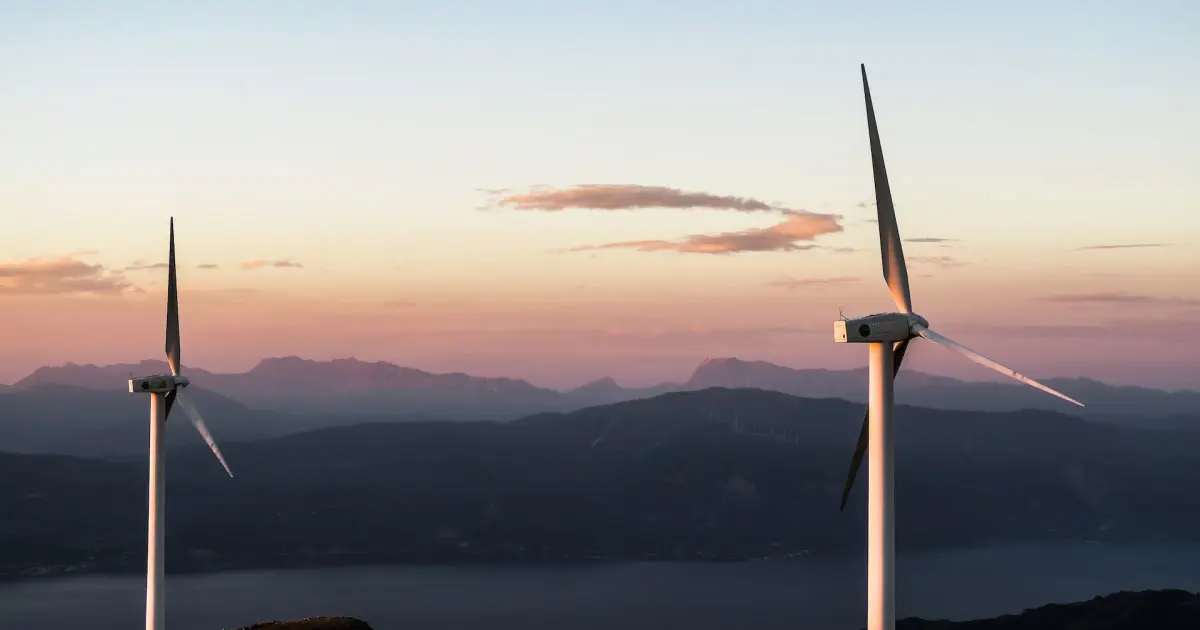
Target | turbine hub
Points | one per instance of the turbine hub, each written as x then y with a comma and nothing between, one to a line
914,321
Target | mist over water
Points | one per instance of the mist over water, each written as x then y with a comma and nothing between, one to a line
821,593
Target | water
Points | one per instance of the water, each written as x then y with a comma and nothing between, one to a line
811,593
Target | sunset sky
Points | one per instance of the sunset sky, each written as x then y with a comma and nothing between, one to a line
564,191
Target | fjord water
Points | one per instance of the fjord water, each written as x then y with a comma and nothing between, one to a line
817,593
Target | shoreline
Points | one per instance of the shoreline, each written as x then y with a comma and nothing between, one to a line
40,573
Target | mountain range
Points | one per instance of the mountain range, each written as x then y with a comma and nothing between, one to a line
710,474
350,386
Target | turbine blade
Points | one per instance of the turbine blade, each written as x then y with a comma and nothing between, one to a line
894,270
193,414
860,450
982,360
170,401
172,309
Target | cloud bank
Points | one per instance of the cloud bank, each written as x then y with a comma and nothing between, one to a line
251,265
628,197
138,265
60,276
792,283
1124,246
794,232
1117,297
945,262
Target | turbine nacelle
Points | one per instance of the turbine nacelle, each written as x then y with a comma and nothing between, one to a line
879,328
157,384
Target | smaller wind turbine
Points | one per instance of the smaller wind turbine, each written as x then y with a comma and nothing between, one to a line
887,335
165,390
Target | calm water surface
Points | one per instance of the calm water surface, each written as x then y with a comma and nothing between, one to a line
817,594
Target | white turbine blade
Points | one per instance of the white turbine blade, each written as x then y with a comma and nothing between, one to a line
894,270
172,309
194,415
982,360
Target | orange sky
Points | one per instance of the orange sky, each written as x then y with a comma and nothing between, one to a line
587,192
646,330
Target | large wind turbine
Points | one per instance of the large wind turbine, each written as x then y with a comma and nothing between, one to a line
887,335
165,390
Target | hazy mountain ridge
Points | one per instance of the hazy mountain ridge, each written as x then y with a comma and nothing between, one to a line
344,386
711,474
941,392
67,420
350,386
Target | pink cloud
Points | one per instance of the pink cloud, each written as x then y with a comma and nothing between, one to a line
251,265
138,265
1117,297
57,276
1125,246
945,262
792,283
628,197
791,234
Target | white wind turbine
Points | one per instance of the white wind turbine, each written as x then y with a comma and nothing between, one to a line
165,390
887,335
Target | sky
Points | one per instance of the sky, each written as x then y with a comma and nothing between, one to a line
565,191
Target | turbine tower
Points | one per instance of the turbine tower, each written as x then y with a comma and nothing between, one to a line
887,336
165,390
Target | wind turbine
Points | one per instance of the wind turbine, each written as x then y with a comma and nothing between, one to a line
165,390
887,336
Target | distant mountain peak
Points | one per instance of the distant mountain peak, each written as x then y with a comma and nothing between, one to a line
90,375
599,386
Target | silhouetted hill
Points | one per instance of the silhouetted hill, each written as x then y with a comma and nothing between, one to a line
711,474
1144,610
57,419
606,390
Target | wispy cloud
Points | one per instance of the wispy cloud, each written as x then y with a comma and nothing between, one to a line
138,265
58,276
945,262
693,334
251,265
628,197
207,266
1124,246
1142,329
787,235
930,239
791,234
1117,297
797,283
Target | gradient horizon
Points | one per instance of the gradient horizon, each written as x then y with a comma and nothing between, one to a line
338,176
